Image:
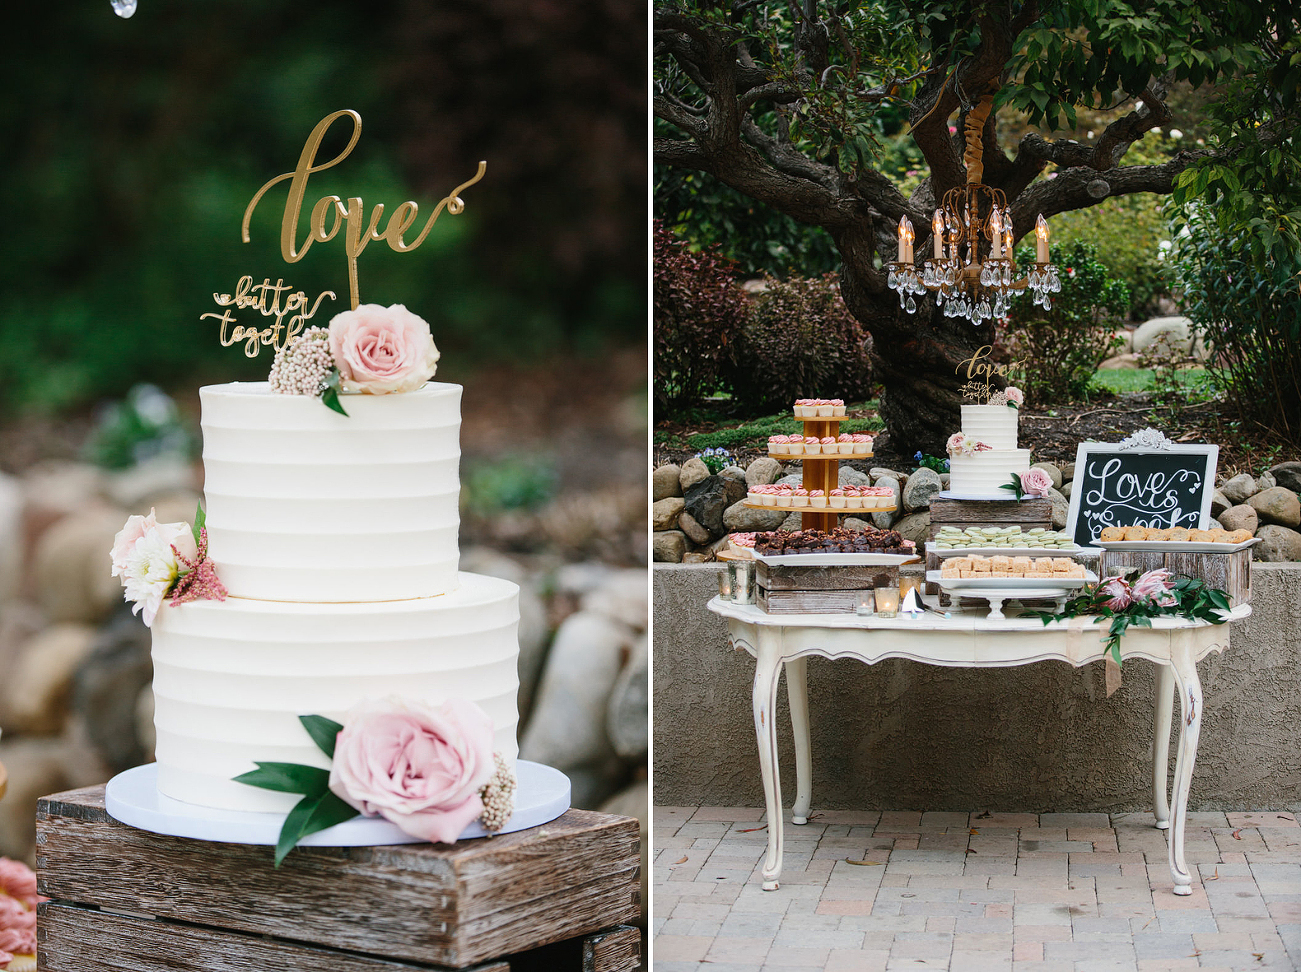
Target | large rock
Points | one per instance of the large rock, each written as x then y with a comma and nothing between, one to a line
1287,474
1061,507
36,768
666,481
696,557
624,597
627,710
107,686
709,498
792,523
694,531
1067,487
876,472
849,476
52,490
72,568
11,537
740,518
1178,329
1068,470
884,520
1265,481
763,471
37,689
693,471
920,487
668,546
568,727
1277,544
1237,489
665,512
1119,362
534,628
635,802
915,527
1277,505
1054,473
1219,503
733,472
1241,517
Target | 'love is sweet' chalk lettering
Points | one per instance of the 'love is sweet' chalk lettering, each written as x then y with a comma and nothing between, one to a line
359,231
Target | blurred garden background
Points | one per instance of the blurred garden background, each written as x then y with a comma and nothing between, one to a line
1162,145
131,149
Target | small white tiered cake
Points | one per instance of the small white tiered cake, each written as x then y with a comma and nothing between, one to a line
979,473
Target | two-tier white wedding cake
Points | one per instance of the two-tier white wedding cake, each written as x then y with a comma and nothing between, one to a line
984,455
336,538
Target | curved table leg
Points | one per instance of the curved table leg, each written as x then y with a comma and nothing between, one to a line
767,672
995,608
797,693
1165,689
1190,707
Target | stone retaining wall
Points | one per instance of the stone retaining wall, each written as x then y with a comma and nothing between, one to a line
1039,738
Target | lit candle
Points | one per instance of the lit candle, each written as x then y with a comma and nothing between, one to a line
1041,239
908,237
887,601
1008,239
937,231
995,235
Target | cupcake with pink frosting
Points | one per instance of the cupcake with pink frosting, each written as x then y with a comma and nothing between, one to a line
829,445
795,445
817,499
853,498
799,497
838,406
777,445
845,444
812,445
837,499
862,444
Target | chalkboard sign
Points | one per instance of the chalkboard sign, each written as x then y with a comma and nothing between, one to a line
1118,484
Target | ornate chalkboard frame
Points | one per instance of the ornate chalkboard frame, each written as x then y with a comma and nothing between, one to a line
1156,461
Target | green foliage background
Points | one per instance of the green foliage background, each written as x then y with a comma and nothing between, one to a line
132,147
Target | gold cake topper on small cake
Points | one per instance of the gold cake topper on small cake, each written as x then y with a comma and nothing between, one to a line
980,372
358,234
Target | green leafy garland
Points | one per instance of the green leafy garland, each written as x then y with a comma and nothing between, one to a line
1193,600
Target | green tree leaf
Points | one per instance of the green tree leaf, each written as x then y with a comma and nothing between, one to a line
310,815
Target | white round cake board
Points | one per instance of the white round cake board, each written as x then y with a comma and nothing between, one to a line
132,798
1002,494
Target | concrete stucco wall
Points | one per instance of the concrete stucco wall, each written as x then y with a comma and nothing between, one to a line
1036,738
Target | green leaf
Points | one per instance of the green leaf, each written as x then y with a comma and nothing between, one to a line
310,815
331,399
323,732
200,518
288,778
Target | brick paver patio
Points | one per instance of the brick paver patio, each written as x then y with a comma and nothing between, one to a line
980,892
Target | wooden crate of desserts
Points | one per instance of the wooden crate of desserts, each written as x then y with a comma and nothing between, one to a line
1229,572
1028,514
789,589
558,897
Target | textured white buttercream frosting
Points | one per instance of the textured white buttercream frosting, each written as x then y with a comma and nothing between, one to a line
304,504
232,677
985,472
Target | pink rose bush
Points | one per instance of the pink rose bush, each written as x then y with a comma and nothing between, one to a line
420,768
381,350
155,559
18,901
1036,482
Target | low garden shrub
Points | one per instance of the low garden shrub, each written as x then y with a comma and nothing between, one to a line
800,341
699,311
1064,345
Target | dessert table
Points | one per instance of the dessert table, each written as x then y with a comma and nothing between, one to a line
968,638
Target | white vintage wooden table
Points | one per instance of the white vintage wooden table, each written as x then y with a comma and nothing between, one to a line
969,640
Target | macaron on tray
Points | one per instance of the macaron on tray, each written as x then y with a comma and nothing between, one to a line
952,541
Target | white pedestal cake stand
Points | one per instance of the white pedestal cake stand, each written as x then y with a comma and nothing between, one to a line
132,798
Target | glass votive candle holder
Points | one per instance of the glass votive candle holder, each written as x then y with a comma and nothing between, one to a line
742,581
887,602
725,582
866,604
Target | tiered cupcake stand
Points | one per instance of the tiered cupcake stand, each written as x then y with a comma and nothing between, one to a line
821,472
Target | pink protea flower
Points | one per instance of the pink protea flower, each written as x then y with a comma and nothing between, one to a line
1155,586
1121,595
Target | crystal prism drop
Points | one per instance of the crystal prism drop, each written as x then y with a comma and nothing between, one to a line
892,281
1048,303
912,306
124,8
983,310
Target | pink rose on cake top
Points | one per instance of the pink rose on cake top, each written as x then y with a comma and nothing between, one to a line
417,767
380,350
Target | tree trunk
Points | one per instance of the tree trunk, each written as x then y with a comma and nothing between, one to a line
918,358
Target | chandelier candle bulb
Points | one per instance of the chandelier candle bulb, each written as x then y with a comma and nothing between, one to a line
995,235
937,237
903,243
1041,239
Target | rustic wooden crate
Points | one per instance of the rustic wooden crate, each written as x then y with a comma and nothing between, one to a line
1230,572
1027,514
818,590
552,897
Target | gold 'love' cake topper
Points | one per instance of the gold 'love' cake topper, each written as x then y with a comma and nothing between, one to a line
979,372
292,309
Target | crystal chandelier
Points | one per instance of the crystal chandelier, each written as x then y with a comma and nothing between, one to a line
972,272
